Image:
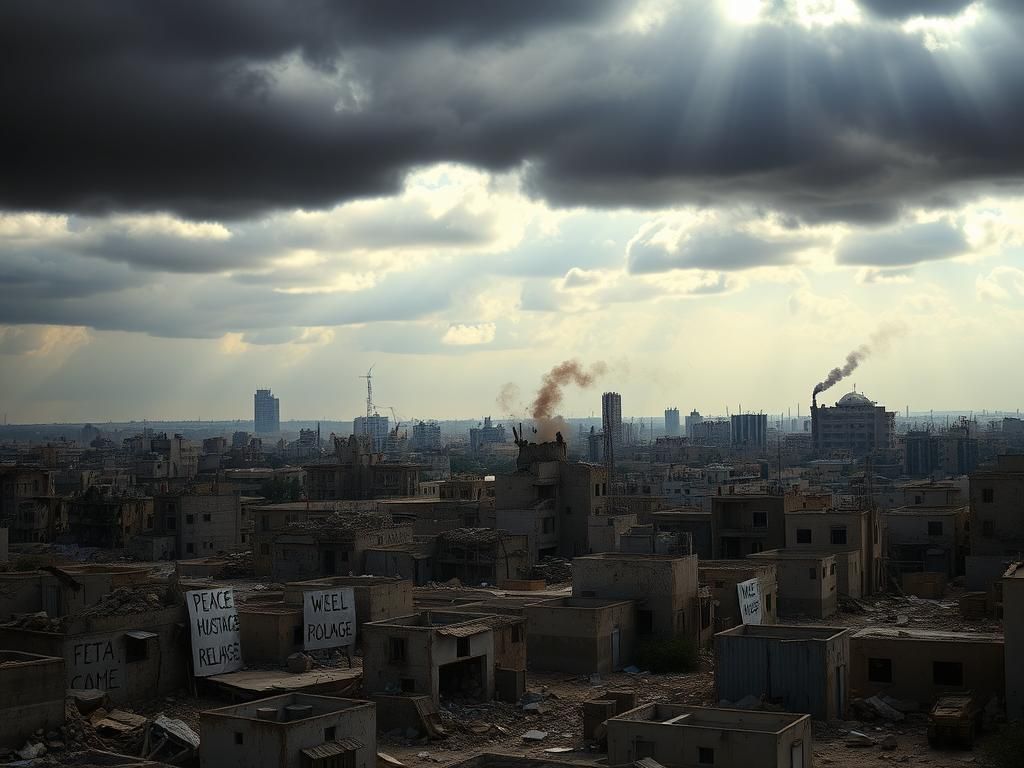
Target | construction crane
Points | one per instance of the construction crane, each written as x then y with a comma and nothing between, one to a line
369,391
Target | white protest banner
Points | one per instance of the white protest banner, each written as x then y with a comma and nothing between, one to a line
329,618
750,601
216,647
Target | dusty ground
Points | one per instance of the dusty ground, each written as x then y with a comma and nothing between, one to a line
499,727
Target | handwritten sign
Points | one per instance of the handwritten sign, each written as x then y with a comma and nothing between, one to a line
329,618
216,647
750,601
95,663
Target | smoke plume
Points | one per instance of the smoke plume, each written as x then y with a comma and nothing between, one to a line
879,341
549,396
508,399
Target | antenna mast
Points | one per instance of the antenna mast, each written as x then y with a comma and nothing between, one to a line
369,391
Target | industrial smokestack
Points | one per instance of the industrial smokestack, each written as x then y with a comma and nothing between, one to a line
878,342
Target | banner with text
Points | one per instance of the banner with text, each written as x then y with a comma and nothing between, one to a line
329,618
216,647
750,601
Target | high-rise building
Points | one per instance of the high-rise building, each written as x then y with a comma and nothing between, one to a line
426,436
375,427
856,426
672,422
267,413
488,434
611,425
691,421
749,430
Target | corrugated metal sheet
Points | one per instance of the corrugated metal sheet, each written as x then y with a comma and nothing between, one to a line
463,630
333,748
796,672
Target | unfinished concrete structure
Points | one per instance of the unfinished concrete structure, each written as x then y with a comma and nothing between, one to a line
132,656
743,523
377,597
294,730
1013,632
694,524
334,546
204,524
842,527
722,576
808,581
920,665
481,555
66,590
581,635
927,538
996,520
437,653
681,736
804,668
665,589
31,696
360,473
269,632
551,500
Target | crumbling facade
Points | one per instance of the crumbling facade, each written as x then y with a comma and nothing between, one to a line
437,653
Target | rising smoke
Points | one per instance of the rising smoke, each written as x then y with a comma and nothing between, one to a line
879,341
508,399
550,395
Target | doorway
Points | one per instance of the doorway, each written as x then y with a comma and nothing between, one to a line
465,679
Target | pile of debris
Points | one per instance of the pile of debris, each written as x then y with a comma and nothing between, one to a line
554,570
126,601
238,565
38,622
339,525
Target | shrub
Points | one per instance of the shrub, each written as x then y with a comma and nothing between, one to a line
676,655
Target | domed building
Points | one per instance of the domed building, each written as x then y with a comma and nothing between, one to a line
856,426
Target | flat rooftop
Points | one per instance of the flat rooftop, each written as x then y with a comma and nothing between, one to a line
631,556
579,603
932,635
922,510
731,565
321,705
789,553
681,715
784,632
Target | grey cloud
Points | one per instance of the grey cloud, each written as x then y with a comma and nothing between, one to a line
904,246
708,250
147,108
209,306
902,9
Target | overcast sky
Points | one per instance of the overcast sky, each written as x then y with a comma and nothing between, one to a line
719,199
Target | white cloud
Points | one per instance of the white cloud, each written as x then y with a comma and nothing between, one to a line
469,335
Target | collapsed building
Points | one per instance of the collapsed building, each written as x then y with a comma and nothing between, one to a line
436,653
131,644
333,546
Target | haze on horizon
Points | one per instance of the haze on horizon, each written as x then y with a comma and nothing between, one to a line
719,200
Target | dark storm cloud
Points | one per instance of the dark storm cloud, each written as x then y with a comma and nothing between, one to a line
707,250
903,247
192,107
902,9
203,306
